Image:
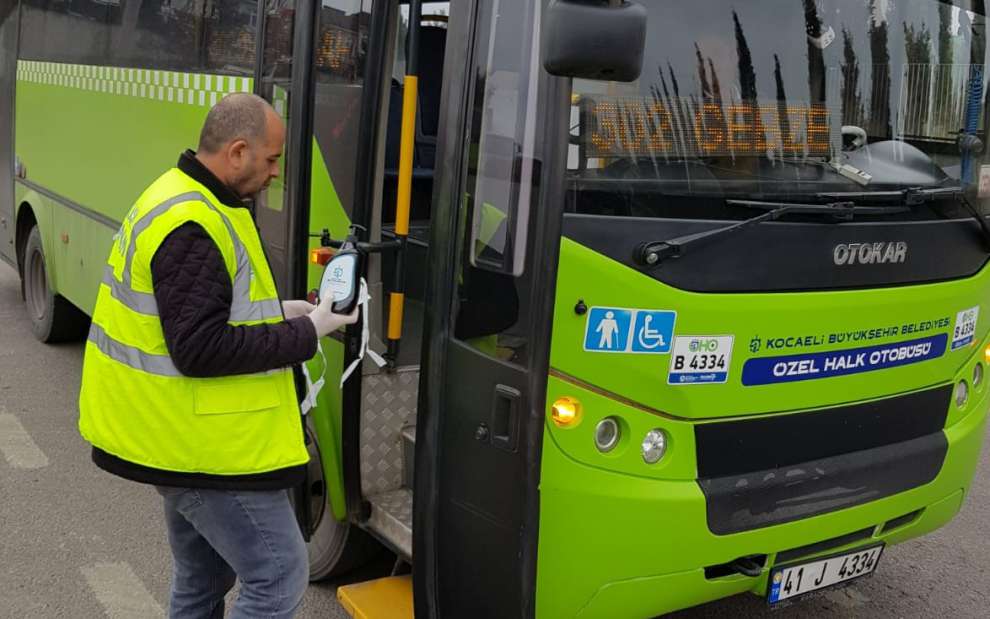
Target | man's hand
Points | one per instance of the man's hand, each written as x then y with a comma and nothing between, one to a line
326,322
295,308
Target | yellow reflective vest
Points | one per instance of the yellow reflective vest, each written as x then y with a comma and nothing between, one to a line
134,403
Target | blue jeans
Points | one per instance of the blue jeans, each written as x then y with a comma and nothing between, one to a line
220,535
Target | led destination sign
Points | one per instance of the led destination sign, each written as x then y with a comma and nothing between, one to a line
638,127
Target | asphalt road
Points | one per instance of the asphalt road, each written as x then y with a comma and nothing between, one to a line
76,542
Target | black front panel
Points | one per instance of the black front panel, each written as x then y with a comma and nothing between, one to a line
787,256
750,445
744,502
760,472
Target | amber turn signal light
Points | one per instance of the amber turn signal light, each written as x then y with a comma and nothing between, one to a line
321,255
566,412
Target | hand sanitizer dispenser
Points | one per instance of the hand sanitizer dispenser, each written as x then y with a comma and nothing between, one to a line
341,277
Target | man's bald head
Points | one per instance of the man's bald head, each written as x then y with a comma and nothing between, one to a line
240,115
241,142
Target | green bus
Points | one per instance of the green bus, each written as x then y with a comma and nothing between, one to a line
677,300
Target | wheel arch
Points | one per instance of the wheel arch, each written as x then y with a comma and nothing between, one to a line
32,210
25,220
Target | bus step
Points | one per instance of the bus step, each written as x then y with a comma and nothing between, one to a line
391,518
384,598
408,454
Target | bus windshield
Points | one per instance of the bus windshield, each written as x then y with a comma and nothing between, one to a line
785,100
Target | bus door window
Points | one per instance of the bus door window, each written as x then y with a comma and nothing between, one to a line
338,66
501,185
432,47
271,212
341,50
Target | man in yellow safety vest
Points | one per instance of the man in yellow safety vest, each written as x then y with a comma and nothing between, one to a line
187,382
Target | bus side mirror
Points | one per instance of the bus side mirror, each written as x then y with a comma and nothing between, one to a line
594,39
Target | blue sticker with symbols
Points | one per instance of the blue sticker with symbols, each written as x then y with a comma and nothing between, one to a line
614,329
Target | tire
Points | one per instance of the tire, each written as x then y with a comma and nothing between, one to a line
53,318
335,548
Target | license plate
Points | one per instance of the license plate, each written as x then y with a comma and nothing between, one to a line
794,580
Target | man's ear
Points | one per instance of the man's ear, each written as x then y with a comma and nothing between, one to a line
237,152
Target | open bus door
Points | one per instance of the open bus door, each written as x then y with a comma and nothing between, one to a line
485,264
482,405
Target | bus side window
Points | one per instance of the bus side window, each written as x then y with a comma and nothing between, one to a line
63,32
190,36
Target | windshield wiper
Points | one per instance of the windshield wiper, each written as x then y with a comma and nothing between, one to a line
654,252
911,196
915,196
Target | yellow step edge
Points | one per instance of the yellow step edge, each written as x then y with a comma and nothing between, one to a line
384,598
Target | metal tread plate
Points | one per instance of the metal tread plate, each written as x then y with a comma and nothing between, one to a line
389,404
391,518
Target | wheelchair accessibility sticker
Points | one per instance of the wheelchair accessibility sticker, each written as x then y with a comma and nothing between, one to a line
613,329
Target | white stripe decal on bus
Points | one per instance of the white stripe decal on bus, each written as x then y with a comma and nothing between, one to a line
128,82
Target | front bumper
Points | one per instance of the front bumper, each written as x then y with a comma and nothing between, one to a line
618,545
780,468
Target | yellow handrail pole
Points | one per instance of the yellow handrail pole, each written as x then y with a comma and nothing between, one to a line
404,191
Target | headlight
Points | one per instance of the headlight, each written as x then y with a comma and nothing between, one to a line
977,375
607,434
962,394
654,446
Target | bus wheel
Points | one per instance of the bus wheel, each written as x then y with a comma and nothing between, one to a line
335,547
53,318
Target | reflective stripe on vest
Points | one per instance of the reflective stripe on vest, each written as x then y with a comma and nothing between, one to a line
140,302
242,308
130,356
